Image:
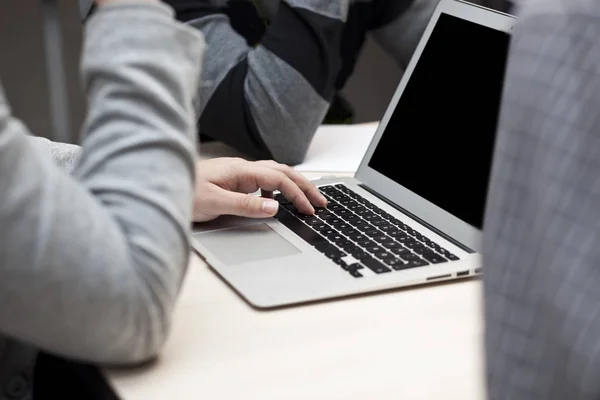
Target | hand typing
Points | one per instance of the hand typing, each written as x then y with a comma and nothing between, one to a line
223,186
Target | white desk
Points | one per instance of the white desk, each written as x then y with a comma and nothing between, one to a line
420,343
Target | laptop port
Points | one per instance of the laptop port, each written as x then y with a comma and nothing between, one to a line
477,270
433,278
462,273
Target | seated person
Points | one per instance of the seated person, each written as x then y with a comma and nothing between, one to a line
91,263
542,227
272,68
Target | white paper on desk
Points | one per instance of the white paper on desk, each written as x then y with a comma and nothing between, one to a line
335,148
338,148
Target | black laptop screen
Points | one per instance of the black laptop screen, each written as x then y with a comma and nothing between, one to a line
440,139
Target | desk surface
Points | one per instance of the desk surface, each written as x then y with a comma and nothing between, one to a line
419,343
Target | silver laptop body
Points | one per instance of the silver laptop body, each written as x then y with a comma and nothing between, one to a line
425,173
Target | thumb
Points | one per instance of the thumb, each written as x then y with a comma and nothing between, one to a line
247,205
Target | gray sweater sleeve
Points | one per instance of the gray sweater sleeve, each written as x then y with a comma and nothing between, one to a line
65,155
91,264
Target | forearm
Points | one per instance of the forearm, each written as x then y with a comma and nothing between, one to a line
268,100
92,264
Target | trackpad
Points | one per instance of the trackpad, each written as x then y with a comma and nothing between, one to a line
245,244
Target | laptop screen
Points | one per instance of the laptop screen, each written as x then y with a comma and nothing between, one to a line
439,141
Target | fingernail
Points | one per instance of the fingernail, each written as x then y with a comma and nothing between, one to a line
270,206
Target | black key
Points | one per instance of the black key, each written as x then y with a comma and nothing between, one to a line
347,246
378,211
384,255
281,212
356,274
321,210
387,228
415,263
433,257
359,254
378,222
411,257
352,219
363,226
368,205
375,266
331,252
335,222
381,238
313,221
337,238
352,267
340,262
420,249
281,199
301,230
394,220
339,197
367,243
343,226
329,232
370,216
452,257
334,207
410,243
343,212
358,237
390,244
304,216
347,201
418,236
374,249
356,207
372,232
401,252
404,239
328,217
397,233
325,247
361,210
327,188
351,232
320,227
396,263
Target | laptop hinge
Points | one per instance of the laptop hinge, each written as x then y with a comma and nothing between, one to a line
417,219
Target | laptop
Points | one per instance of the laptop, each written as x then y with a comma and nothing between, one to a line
413,213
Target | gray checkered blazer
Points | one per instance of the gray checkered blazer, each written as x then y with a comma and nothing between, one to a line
542,226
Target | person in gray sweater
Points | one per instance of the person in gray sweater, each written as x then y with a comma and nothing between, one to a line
274,68
92,261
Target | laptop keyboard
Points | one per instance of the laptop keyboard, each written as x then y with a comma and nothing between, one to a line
356,234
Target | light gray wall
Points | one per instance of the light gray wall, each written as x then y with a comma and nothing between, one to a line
22,62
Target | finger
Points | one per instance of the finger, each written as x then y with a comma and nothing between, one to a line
311,191
270,179
225,202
